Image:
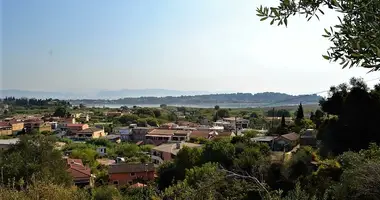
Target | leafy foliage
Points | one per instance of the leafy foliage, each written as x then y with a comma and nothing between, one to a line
356,39
34,158
355,125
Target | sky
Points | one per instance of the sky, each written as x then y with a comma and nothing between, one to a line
192,45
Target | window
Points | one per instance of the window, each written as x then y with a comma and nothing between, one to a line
133,174
116,182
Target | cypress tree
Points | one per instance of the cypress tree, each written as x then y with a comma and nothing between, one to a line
283,124
299,114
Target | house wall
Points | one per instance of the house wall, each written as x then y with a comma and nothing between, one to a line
125,178
281,142
166,156
78,128
124,134
6,131
17,126
44,127
98,134
139,134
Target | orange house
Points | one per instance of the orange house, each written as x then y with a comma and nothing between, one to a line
128,173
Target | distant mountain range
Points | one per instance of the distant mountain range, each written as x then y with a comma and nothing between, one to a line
170,97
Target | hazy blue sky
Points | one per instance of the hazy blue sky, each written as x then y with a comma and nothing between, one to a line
212,45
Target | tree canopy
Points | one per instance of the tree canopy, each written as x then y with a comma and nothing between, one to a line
34,158
354,116
355,39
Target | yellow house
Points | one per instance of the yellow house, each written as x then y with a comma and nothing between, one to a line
91,133
16,126
5,130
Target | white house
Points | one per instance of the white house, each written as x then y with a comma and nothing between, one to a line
125,133
102,151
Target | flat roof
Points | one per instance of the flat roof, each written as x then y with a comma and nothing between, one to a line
263,138
171,147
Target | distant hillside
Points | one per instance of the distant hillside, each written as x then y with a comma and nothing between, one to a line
116,94
35,94
259,98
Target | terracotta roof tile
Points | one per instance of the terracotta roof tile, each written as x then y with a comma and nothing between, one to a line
130,168
291,136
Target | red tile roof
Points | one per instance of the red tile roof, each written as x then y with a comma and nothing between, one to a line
75,125
77,169
130,168
4,124
291,136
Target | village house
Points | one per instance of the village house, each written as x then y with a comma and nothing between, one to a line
124,133
113,138
240,123
159,136
90,133
309,138
210,134
168,126
65,121
129,173
265,139
75,128
225,124
81,174
187,124
16,126
168,151
83,117
37,125
7,143
5,130
286,142
139,133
